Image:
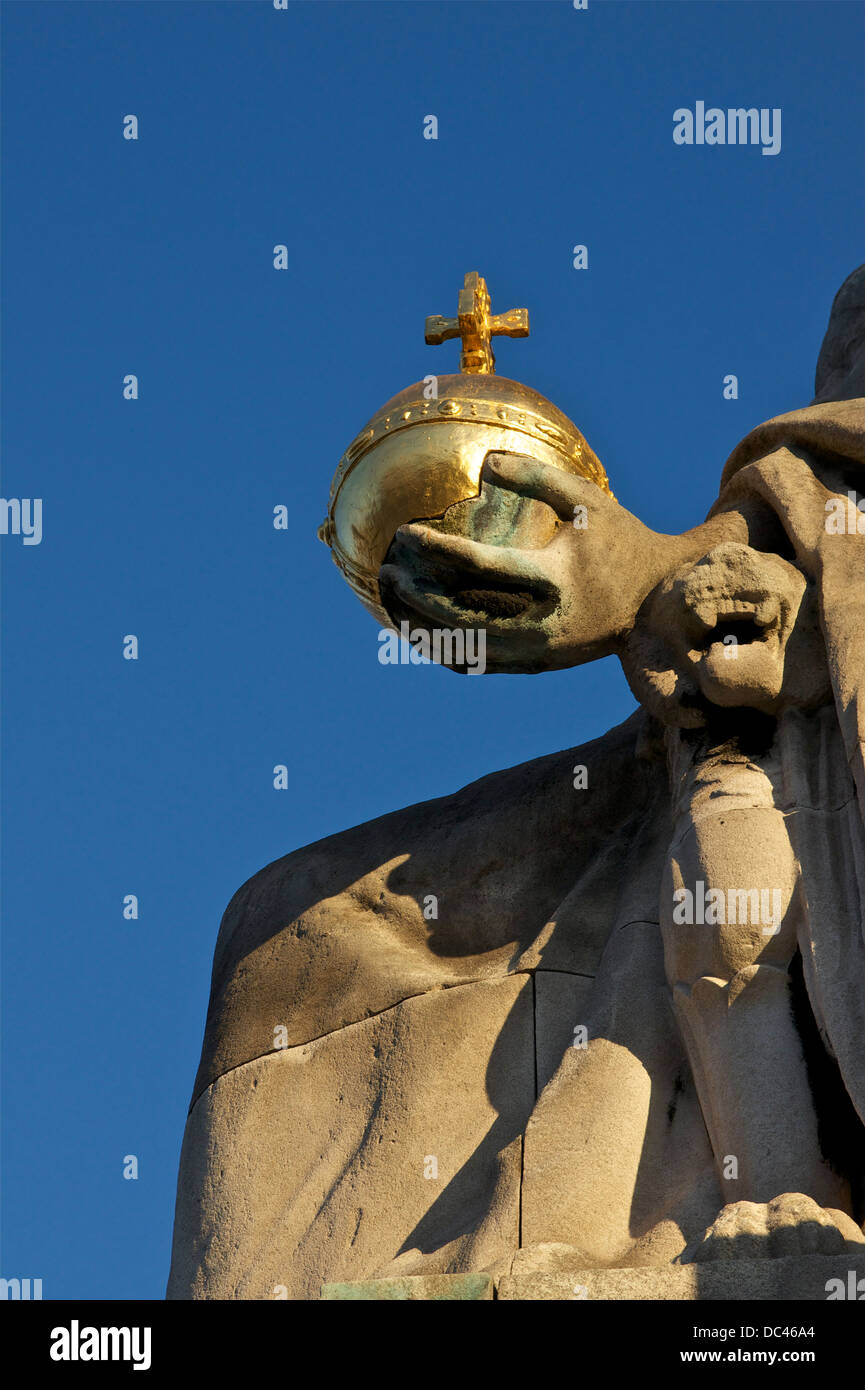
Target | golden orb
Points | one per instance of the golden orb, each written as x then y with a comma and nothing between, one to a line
419,455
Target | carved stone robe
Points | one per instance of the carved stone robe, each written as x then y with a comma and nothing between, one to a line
429,1112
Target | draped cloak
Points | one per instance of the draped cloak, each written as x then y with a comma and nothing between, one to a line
380,1093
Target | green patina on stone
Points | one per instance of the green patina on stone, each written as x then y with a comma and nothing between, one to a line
425,1286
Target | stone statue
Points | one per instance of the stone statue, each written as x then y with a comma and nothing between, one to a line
627,1052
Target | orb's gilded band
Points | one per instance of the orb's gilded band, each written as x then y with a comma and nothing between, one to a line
491,412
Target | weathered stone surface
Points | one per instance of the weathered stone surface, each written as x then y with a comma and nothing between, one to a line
390,1146
434,1287
561,1003
335,932
616,1119
802,1278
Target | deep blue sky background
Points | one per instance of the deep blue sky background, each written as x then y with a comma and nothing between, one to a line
304,127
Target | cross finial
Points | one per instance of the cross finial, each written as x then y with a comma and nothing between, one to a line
477,326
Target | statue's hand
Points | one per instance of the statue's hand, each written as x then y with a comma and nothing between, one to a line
543,606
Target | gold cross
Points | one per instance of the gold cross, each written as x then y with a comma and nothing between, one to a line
476,326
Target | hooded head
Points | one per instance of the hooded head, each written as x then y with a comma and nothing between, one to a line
840,372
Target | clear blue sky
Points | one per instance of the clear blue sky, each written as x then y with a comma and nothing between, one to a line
154,257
